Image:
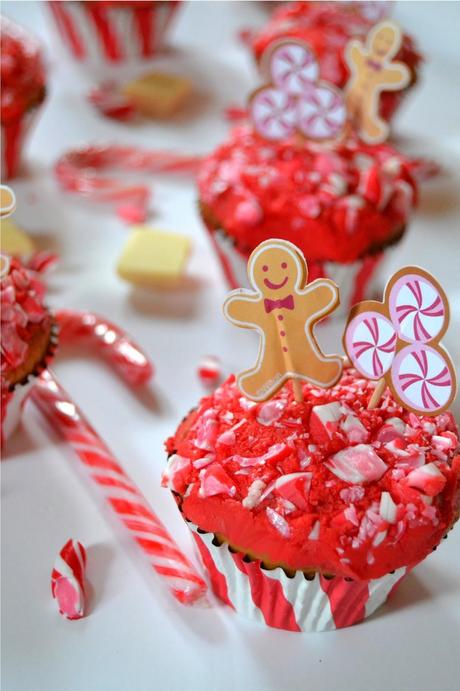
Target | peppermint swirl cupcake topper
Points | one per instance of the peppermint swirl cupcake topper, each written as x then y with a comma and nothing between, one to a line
283,309
294,100
397,342
373,70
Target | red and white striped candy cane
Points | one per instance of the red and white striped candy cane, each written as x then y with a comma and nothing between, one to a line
113,343
68,580
120,493
79,171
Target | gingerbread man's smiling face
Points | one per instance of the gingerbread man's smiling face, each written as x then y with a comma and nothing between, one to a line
384,43
276,271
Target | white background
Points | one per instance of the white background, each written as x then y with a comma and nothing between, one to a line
136,637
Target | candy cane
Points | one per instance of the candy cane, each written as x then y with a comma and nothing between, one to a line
113,343
79,171
68,580
120,493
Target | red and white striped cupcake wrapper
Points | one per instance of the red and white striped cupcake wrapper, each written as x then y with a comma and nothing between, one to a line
296,604
14,136
103,33
357,281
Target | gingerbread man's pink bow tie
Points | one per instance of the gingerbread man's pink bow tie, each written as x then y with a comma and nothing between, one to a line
287,303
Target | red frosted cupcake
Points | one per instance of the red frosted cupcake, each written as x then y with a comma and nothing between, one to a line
307,515
326,28
22,91
107,34
27,338
341,204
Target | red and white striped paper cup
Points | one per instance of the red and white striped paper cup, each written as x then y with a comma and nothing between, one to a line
14,135
357,281
295,603
109,34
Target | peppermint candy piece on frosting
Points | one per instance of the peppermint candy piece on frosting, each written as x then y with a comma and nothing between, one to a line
428,479
321,112
417,308
274,113
214,480
422,378
68,580
295,488
371,344
176,472
357,464
293,68
323,421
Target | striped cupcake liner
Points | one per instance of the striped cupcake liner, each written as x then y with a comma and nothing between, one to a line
101,34
357,281
14,137
299,603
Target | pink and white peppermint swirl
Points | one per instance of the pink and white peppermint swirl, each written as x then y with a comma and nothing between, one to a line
423,378
321,112
417,308
273,113
293,68
371,344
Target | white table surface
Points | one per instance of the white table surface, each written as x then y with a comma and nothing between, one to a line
136,637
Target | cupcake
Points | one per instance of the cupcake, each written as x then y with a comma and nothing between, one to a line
341,204
308,515
28,338
326,28
104,35
22,91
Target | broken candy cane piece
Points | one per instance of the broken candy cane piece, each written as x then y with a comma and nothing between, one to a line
294,487
357,464
387,509
275,453
68,580
209,371
175,474
125,355
428,478
270,412
323,421
393,428
214,480
354,429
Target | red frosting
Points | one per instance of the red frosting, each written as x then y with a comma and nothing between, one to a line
335,203
325,484
327,28
22,71
22,312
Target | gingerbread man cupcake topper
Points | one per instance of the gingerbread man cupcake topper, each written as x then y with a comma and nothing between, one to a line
294,100
373,71
397,342
283,309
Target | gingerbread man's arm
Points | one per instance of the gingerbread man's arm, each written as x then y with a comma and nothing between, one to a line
244,308
355,53
323,297
396,76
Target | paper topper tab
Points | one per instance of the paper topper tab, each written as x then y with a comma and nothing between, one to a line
398,341
294,100
7,201
372,71
283,309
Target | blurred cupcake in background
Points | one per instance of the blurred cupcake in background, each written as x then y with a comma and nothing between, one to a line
342,204
28,338
105,36
23,90
327,27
